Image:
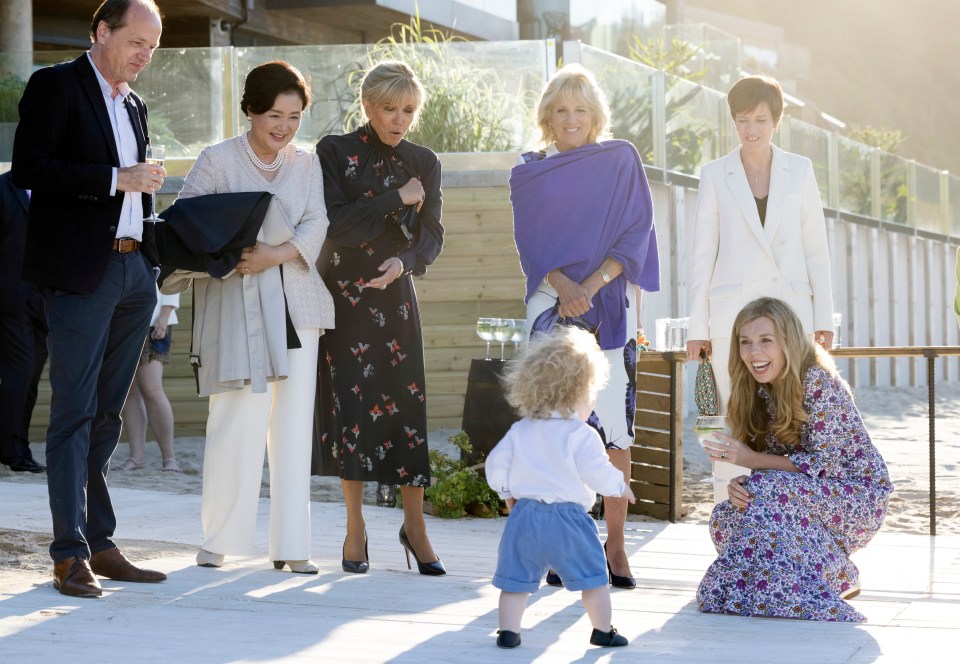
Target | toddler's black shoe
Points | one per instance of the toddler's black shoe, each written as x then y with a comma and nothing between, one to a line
608,639
508,639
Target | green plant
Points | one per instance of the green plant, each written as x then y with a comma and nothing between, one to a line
466,110
673,59
457,488
631,103
11,89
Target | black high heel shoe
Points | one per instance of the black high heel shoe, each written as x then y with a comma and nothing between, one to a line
553,579
356,566
427,569
626,582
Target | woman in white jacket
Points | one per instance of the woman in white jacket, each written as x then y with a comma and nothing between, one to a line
759,231
247,412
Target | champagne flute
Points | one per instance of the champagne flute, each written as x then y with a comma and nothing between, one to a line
155,155
485,331
503,332
519,333
704,429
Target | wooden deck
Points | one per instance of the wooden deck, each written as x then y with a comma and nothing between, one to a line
246,611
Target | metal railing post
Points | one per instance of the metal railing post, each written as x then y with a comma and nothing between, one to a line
659,121
945,203
876,187
912,193
833,170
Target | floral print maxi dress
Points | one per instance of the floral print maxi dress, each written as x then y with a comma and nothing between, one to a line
787,554
371,417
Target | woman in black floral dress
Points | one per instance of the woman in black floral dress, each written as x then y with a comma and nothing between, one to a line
383,201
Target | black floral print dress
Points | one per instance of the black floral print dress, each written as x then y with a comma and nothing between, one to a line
371,414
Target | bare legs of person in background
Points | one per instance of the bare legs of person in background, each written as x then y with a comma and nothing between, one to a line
147,402
615,512
413,522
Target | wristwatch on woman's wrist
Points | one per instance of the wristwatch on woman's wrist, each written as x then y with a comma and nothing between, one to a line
603,275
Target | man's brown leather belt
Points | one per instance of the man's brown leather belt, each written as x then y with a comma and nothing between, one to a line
125,245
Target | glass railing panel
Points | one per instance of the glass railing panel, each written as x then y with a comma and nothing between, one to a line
893,188
629,89
928,199
813,143
481,96
953,214
694,114
855,176
187,93
15,70
610,26
717,58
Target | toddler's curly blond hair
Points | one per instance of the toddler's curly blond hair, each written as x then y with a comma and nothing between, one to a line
555,372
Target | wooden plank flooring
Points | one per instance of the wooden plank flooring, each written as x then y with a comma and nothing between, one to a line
246,611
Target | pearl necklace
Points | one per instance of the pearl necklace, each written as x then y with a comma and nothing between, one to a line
269,168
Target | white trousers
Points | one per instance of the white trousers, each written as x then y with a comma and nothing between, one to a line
611,400
240,424
723,472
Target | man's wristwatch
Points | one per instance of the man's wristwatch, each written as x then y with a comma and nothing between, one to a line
603,275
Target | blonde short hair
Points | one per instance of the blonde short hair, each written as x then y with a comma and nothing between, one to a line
389,82
573,82
555,372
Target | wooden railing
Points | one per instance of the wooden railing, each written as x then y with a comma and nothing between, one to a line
657,475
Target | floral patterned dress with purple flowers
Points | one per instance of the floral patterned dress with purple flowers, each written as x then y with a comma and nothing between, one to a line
787,554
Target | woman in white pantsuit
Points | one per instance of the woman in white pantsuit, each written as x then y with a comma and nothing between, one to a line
759,231
262,394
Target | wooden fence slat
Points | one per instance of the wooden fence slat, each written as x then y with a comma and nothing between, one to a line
656,439
653,383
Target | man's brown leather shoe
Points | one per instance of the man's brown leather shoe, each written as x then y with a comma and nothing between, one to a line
114,565
74,577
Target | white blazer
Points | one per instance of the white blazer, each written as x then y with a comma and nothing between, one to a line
737,259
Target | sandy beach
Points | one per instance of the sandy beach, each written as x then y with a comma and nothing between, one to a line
895,417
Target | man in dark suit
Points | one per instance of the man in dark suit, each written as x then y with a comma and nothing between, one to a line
23,332
79,146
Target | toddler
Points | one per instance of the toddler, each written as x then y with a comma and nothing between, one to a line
549,468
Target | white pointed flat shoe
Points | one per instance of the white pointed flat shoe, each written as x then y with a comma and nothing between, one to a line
209,559
298,566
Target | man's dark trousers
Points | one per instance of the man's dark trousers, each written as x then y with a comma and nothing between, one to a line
88,391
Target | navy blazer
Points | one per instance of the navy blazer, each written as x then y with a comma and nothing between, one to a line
64,151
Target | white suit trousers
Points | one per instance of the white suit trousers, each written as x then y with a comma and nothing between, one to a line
240,424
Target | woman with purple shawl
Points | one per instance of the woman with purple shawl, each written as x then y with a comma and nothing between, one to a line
583,224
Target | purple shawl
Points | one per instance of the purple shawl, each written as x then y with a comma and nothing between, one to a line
574,209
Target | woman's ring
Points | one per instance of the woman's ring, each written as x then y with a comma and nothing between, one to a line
723,455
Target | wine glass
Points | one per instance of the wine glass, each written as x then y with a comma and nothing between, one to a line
485,331
704,429
503,332
155,154
519,333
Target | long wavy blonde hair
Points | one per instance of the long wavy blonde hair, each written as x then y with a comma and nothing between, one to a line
747,411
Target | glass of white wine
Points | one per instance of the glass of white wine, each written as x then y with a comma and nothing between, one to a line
704,429
519,333
155,155
503,332
485,331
